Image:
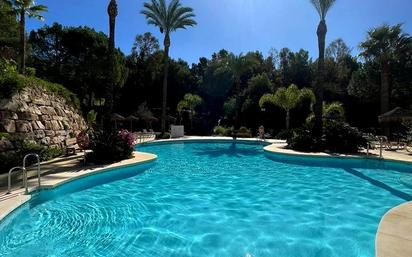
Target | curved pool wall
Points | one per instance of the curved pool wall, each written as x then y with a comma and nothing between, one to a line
86,182
206,140
80,183
203,197
339,161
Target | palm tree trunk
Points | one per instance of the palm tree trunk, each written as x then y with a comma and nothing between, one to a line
385,92
22,41
385,87
287,119
237,112
191,117
318,106
166,72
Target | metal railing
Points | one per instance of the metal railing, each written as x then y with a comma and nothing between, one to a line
25,171
9,178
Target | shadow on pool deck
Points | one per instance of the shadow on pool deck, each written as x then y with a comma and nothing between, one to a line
380,184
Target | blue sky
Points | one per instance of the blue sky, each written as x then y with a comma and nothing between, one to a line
237,25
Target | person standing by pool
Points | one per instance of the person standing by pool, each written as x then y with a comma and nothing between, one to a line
261,133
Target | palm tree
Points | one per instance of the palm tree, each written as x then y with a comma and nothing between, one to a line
385,45
168,19
21,8
112,11
322,7
189,103
287,99
239,65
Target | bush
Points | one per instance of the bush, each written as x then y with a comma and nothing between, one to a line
57,89
109,147
30,72
9,79
163,136
339,137
302,139
244,132
285,134
12,159
222,131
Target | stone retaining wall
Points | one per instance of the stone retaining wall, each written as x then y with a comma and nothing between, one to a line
38,115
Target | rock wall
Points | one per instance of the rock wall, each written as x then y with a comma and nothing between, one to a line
38,115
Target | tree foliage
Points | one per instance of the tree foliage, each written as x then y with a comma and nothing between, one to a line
76,57
287,99
168,19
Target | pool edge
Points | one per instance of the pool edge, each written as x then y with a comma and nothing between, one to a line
279,149
9,206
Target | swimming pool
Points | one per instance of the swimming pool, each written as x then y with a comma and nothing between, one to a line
213,199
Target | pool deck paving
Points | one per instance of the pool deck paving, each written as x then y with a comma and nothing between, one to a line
393,239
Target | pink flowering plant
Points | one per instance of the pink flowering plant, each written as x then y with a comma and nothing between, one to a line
111,146
127,137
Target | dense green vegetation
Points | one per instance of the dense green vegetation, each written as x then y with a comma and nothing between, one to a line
12,159
237,90
22,9
12,82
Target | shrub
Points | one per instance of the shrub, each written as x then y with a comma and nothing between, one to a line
339,137
30,72
110,146
222,131
303,140
57,89
11,159
9,78
244,132
163,136
285,134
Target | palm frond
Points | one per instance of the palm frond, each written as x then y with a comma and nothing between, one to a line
28,6
323,7
37,8
168,18
172,9
36,16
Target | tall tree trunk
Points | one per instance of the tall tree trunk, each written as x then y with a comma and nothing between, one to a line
22,41
166,73
385,95
287,119
191,117
385,92
112,12
237,107
318,106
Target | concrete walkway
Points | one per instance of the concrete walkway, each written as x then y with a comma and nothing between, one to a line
394,237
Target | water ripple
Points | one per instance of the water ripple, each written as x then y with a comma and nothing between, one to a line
212,200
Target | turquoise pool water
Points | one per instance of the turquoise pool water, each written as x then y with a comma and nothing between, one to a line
212,199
